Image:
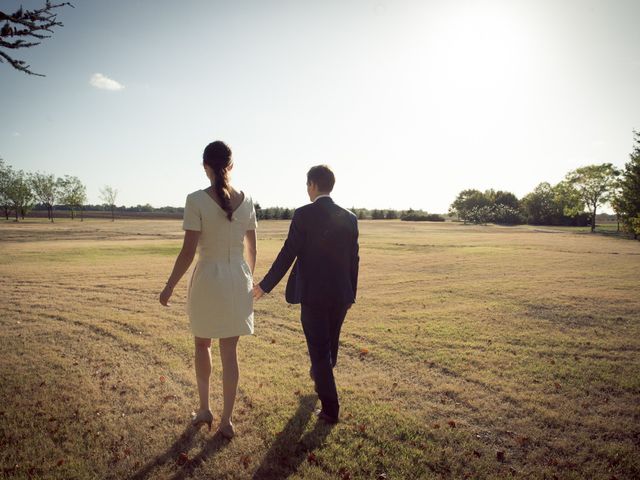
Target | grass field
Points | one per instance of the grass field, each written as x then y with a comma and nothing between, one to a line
473,352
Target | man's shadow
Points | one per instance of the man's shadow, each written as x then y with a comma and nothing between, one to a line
183,443
291,448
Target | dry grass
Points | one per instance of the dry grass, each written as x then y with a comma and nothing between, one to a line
491,352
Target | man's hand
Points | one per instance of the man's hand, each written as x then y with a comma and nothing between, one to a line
257,292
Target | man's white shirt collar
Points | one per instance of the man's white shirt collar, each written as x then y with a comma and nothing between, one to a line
320,196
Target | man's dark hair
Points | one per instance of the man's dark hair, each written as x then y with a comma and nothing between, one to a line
322,176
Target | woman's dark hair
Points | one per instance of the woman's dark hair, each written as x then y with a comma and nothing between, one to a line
217,155
322,176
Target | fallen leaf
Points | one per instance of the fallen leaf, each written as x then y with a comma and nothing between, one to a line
557,385
362,427
436,425
273,340
297,393
182,458
522,440
452,423
364,351
395,384
500,455
245,460
311,458
162,378
344,474
477,453
60,462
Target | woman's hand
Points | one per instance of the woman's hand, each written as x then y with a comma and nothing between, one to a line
165,295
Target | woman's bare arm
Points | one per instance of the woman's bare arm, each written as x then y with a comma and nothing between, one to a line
182,264
250,243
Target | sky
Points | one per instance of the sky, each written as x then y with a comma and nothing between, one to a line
408,101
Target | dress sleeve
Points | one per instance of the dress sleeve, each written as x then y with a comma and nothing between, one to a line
192,219
253,222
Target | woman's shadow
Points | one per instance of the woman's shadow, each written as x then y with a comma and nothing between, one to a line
291,448
183,443
284,457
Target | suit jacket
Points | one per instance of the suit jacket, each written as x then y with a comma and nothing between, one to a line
323,239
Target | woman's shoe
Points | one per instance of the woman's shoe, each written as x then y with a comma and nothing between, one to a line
227,431
203,416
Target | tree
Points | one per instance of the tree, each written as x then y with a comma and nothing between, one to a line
72,193
480,215
568,201
505,214
46,189
554,205
377,214
19,193
626,201
596,184
469,201
6,172
391,215
21,27
507,199
108,196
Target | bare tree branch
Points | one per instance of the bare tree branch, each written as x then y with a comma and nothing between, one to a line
18,64
27,23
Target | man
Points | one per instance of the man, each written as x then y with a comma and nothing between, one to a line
323,239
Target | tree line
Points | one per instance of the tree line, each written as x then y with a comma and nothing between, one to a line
22,192
279,213
573,202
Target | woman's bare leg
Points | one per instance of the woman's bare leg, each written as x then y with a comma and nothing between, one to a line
230,376
203,369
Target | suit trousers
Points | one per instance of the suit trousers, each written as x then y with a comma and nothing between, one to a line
321,325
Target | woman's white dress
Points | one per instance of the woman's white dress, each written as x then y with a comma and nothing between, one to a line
219,298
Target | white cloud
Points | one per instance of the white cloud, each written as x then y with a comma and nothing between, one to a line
15,134
102,82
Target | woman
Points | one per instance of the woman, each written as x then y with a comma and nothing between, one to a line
219,221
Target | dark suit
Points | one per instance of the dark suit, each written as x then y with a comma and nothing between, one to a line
323,239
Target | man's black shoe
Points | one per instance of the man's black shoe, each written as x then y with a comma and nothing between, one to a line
326,418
